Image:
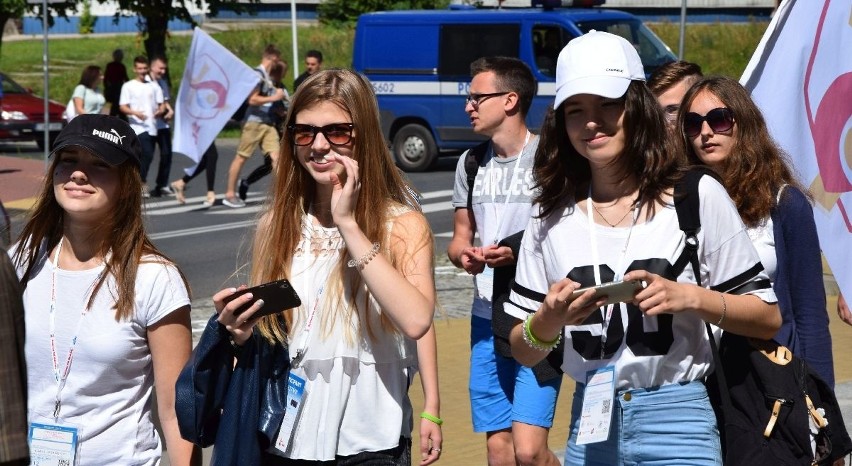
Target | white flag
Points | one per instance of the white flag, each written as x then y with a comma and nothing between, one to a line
801,78
215,84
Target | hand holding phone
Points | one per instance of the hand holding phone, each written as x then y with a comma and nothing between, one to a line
277,296
616,292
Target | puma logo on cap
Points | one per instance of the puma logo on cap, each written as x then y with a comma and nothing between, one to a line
112,136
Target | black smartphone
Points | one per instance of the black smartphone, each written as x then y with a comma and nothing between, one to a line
277,296
616,292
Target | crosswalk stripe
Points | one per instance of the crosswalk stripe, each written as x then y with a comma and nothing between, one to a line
193,204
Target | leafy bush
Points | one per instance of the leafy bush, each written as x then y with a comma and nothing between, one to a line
87,20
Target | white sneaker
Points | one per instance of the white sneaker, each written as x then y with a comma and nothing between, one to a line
233,202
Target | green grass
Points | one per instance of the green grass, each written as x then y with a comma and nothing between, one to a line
718,48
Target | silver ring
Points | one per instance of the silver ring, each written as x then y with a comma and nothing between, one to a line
437,449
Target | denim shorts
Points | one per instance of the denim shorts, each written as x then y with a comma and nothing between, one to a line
502,390
665,425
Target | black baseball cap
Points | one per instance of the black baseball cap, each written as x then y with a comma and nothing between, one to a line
108,138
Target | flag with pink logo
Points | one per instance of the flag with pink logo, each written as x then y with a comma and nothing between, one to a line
215,83
801,78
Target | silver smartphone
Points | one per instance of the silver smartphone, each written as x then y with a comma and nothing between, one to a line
616,292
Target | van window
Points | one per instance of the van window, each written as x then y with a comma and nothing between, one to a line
462,44
548,41
651,49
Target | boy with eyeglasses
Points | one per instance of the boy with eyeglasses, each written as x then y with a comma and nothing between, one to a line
508,403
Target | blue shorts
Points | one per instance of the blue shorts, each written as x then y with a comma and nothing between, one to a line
502,390
652,426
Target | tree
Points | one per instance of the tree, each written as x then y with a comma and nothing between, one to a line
10,9
346,12
155,16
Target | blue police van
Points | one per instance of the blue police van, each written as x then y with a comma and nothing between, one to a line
419,65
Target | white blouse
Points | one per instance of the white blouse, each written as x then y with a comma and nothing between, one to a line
357,380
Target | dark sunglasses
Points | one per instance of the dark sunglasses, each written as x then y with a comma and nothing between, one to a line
720,120
337,134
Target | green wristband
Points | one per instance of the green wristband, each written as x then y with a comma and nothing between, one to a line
429,417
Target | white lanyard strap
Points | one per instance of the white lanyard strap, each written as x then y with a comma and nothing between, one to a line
619,269
302,344
61,379
499,232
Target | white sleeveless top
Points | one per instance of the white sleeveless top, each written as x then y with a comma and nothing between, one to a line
357,386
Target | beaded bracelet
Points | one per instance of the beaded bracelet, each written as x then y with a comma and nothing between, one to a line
362,261
429,417
724,309
534,342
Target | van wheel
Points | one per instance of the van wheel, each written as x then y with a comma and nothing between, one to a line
414,148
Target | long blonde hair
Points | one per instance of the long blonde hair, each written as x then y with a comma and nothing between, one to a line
382,188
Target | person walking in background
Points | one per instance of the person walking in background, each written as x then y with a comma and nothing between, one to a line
313,63
107,314
115,75
723,129
343,228
258,129
508,403
207,164
87,94
604,212
13,369
669,84
157,75
142,102
277,112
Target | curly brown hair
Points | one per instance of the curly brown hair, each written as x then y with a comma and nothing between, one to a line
756,168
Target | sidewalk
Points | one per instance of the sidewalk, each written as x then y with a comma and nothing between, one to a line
20,181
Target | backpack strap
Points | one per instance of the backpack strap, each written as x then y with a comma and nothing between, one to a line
687,205
471,166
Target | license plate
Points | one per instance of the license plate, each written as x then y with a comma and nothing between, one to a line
50,126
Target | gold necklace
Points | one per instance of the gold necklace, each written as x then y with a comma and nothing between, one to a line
613,225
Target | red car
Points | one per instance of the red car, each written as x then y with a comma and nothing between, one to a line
22,114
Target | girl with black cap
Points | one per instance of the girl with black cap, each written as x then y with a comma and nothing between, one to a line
107,314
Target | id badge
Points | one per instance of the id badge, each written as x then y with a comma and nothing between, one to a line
53,444
596,416
296,395
485,284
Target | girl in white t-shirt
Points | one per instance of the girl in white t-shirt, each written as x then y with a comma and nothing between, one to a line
342,227
606,214
107,314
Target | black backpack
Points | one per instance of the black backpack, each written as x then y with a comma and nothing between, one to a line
763,408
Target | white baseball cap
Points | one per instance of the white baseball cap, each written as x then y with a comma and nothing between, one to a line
597,63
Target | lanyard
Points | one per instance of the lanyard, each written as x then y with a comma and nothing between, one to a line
61,379
491,168
302,344
619,269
